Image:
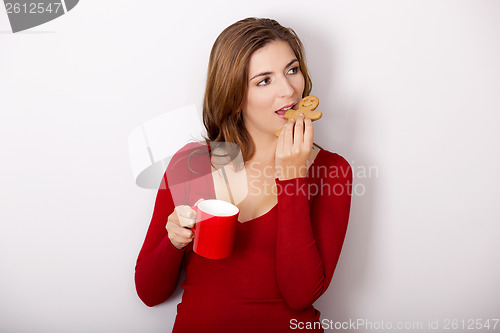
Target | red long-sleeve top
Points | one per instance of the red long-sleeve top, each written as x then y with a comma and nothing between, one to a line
283,261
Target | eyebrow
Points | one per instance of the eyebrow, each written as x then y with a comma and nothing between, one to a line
267,73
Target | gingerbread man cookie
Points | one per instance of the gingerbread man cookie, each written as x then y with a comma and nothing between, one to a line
307,107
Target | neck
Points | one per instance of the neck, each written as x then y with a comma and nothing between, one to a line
265,149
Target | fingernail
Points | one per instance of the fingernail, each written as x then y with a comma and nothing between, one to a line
301,115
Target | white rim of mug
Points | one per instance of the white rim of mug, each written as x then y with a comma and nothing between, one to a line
226,206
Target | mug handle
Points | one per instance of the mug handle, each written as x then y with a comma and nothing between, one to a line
195,207
193,228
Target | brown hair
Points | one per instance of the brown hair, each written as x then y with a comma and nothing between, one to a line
227,77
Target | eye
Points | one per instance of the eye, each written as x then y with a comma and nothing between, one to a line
264,82
293,70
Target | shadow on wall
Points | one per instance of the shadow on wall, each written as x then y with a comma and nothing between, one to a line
338,133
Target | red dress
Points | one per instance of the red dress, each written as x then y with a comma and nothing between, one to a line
283,261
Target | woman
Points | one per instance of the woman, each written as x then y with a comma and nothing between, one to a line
295,213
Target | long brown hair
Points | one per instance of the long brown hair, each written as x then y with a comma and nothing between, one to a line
227,77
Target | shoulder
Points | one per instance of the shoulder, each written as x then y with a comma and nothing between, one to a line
191,158
330,165
327,158
187,152
191,147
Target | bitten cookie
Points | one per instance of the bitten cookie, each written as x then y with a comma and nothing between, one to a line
307,106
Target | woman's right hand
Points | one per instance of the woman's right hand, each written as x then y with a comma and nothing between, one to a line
182,218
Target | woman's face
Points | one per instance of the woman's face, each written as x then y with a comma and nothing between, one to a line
275,84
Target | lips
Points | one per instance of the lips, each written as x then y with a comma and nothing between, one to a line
281,112
286,107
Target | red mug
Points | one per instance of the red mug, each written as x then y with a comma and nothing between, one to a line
215,228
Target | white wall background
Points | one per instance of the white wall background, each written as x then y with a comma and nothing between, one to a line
409,88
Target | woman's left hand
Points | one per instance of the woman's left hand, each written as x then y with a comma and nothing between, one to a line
293,148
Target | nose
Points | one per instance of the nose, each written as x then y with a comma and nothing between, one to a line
286,88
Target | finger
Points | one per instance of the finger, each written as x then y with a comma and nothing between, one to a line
186,216
183,234
177,231
299,130
186,223
308,133
288,140
185,211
